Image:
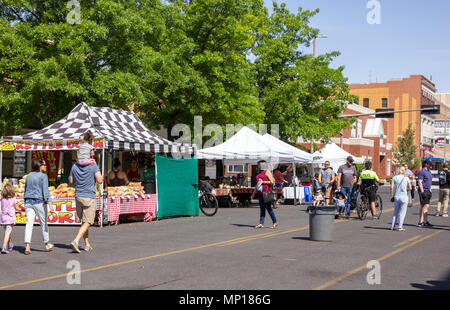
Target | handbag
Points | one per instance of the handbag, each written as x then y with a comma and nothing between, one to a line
269,195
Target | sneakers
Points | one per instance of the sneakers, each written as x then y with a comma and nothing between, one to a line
10,247
88,248
437,214
425,224
5,250
445,215
75,247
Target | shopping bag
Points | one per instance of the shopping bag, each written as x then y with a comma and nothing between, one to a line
308,197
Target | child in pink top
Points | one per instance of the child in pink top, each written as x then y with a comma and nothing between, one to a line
8,216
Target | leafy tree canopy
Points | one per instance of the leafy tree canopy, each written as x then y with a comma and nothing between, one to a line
229,61
405,151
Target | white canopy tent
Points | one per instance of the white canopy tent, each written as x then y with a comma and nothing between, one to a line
298,156
335,155
246,147
249,147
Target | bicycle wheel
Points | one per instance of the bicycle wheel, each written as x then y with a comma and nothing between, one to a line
362,208
208,204
379,206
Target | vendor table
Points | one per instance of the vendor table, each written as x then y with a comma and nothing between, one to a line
221,191
119,205
242,195
288,193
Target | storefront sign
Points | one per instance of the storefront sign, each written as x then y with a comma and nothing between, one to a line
55,145
52,160
65,213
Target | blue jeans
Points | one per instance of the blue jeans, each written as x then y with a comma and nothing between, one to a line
348,192
263,207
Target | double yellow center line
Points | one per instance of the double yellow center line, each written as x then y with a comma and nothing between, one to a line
380,259
221,243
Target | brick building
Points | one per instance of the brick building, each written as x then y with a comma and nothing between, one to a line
366,138
442,128
402,94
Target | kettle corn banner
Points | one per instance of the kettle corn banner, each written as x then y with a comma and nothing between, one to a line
57,145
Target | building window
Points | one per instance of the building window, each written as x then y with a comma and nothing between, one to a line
384,103
366,102
353,130
359,129
238,168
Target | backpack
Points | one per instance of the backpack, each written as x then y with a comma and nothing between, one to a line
442,178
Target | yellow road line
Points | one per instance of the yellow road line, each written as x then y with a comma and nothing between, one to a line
348,274
227,242
142,259
268,235
406,241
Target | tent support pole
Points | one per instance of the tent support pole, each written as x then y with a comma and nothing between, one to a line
1,166
104,178
295,185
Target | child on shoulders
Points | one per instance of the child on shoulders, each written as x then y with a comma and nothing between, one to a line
86,150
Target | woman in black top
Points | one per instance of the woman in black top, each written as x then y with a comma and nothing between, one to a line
116,177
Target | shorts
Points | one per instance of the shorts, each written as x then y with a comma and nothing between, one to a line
425,197
7,228
86,208
372,195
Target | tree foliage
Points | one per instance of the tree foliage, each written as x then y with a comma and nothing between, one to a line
229,61
405,151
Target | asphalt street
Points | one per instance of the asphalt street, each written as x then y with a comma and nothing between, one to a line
226,252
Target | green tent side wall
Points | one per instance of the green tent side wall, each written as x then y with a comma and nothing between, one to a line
176,195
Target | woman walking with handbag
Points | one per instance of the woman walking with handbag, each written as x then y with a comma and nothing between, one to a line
400,186
264,188
36,198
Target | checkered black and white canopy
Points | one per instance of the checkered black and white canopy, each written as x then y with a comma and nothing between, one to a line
121,130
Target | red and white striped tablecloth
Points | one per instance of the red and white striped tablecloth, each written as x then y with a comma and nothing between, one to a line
146,204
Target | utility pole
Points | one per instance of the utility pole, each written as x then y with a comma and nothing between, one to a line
320,36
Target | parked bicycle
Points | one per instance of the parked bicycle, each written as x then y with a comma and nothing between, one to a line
363,204
207,202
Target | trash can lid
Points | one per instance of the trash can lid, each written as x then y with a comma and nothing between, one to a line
322,208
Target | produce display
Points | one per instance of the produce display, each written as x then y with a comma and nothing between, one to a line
62,191
65,191
20,189
130,190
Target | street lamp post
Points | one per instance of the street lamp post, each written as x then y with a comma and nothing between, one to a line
320,36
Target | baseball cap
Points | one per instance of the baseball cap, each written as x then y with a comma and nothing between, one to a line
427,162
350,159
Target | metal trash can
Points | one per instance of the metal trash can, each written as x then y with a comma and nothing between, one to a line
321,222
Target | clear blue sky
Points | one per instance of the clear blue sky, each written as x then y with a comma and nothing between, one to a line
413,38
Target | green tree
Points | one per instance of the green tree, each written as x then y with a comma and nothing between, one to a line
228,61
168,61
299,92
405,151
